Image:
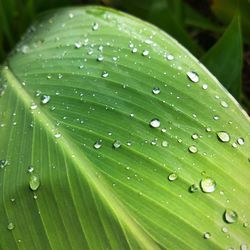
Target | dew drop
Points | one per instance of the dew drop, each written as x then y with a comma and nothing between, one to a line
33,106
11,226
45,99
205,86
223,136
57,135
193,188
78,45
116,144
240,141
30,169
98,144
193,149
170,57
230,216
3,163
195,136
95,26
224,104
156,91
145,52
208,185
207,235
193,76
224,229
164,144
155,123
243,247
105,74
172,177
100,58
34,182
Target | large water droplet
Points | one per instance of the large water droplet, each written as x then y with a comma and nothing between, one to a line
34,182
11,226
155,123
193,76
230,216
208,185
45,99
98,144
223,136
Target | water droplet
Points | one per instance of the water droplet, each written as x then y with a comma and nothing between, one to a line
243,247
60,76
45,99
230,216
30,169
95,26
208,185
207,235
134,50
11,226
105,74
100,58
163,130
164,144
193,149
3,163
205,86
193,188
224,230
224,104
57,135
145,52
245,224
33,106
78,45
155,123
34,182
193,76
117,144
240,141
216,117
172,177
223,136
195,136
156,91
170,57
98,144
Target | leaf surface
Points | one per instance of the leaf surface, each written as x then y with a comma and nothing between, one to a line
90,152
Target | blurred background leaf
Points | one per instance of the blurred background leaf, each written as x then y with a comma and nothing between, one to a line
226,56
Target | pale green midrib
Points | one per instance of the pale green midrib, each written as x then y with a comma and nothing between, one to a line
87,171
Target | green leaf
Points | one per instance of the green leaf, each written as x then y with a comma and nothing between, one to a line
225,10
225,58
95,156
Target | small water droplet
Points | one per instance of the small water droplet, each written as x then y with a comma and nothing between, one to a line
193,76
216,117
193,188
98,144
30,169
230,216
11,226
195,136
155,123
33,106
205,86
240,141
3,163
156,91
224,104
78,45
170,57
223,136
95,26
243,247
172,177
117,144
100,58
105,74
208,185
164,144
45,99
57,135
245,224
134,50
192,149
224,229
207,235
34,182
145,52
